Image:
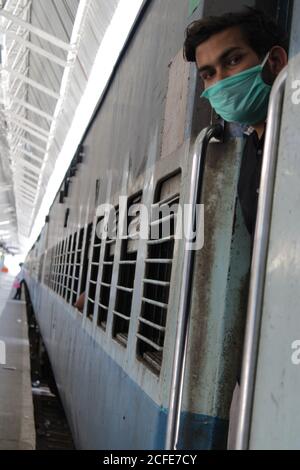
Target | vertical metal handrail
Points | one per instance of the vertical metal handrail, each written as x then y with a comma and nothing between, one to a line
179,360
259,261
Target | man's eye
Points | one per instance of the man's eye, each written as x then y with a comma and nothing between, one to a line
206,75
234,60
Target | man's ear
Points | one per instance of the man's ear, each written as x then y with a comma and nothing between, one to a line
278,59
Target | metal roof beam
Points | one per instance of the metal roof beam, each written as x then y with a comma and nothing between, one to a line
24,164
19,32
21,52
16,8
39,130
22,68
28,180
17,91
14,137
27,175
23,191
35,84
27,186
31,155
40,50
32,132
33,145
37,31
29,190
29,199
32,169
33,109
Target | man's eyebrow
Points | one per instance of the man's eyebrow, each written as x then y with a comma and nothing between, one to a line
222,57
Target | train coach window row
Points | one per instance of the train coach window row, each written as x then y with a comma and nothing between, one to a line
85,262
78,254
62,273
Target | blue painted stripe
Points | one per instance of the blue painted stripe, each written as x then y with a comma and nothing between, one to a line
197,432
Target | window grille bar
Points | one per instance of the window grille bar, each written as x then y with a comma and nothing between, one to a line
156,282
158,261
110,242
167,201
148,341
163,219
159,241
103,306
153,325
118,314
125,289
105,284
155,303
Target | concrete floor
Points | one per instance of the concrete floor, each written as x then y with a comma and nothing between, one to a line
17,430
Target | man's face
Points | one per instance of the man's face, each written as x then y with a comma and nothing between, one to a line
224,54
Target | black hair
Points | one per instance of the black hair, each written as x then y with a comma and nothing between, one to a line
260,31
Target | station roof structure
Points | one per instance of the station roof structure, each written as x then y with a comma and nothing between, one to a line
51,52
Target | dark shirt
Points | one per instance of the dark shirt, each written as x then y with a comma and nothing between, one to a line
249,181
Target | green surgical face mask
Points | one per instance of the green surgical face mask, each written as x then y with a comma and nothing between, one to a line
242,98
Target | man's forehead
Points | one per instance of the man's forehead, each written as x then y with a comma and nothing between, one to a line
209,51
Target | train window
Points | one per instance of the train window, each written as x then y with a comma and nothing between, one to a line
51,254
59,271
77,266
67,265
95,260
107,270
80,154
71,267
85,264
157,278
56,267
122,310
40,272
48,267
61,268
53,267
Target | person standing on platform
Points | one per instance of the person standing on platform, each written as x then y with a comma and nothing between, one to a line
18,283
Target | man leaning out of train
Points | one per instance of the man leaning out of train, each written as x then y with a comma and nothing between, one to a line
238,56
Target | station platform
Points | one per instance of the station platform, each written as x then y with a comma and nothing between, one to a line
17,428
